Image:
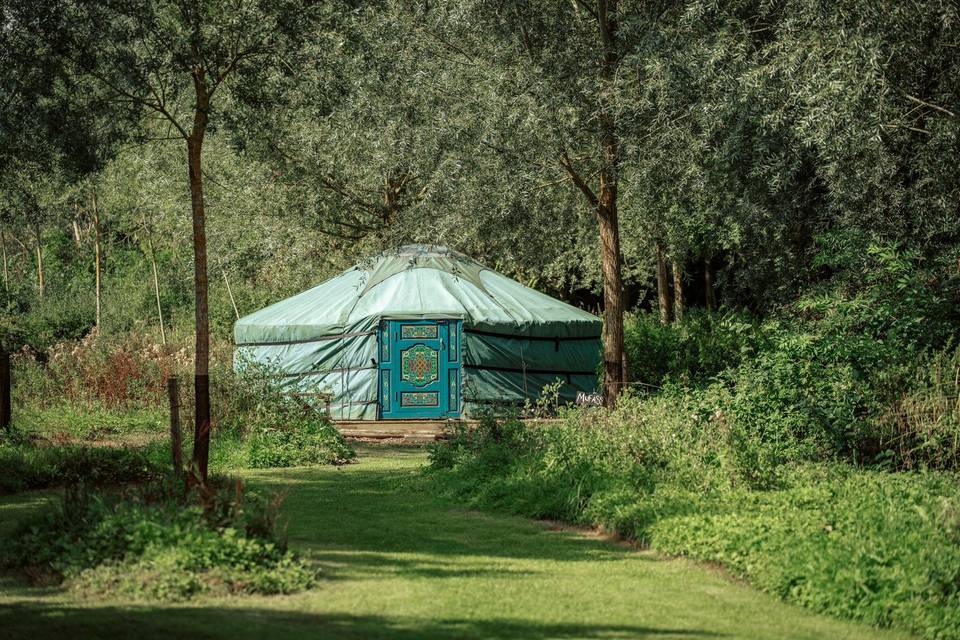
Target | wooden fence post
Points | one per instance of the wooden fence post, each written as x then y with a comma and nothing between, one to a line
174,392
6,409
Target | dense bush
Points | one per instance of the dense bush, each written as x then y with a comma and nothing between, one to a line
877,547
312,440
693,351
862,368
276,430
154,542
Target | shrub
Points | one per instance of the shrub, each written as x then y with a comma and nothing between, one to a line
155,542
310,440
877,547
920,427
276,430
692,351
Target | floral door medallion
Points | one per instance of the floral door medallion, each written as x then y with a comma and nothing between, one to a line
420,365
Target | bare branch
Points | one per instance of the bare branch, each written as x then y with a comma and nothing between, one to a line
577,179
232,65
135,99
894,125
343,191
932,106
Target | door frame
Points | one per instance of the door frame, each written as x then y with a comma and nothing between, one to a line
450,375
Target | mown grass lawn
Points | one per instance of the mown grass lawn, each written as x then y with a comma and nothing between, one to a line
402,564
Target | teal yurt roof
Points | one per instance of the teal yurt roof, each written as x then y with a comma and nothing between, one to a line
416,281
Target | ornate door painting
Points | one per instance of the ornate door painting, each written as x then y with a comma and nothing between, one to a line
419,368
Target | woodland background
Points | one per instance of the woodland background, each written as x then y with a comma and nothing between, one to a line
765,195
766,147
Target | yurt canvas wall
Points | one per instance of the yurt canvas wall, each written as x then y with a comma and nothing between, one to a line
496,340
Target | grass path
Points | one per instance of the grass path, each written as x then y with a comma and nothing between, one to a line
402,564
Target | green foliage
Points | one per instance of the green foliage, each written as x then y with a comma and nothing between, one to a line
90,424
152,542
692,351
752,452
108,372
921,426
112,386
879,547
860,369
740,144
35,466
310,440
272,428
876,547
54,320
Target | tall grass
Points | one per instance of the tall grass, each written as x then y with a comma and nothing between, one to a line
115,385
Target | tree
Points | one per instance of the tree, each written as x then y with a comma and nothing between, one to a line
54,132
169,60
138,185
761,126
30,196
604,202
548,88
380,143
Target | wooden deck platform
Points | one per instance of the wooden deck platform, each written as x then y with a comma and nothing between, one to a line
407,430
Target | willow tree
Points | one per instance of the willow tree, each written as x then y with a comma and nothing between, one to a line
169,60
763,125
379,144
546,86
364,138
53,133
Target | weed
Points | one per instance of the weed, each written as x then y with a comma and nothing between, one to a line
158,542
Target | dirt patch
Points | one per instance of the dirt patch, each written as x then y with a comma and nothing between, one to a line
599,533
596,533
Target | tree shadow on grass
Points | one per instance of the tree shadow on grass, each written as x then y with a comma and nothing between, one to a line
376,564
362,522
39,621
392,511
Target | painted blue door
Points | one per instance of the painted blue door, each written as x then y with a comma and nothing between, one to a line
419,368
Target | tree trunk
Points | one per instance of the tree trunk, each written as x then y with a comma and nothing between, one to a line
677,291
76,226
201,442
663,285
96,254
710,301
614,359
156,280
176,448
41,287
6,269
6,406
233,302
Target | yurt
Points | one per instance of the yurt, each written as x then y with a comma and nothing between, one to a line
421,332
